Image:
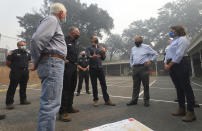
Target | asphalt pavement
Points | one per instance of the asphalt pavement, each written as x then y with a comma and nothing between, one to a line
157,117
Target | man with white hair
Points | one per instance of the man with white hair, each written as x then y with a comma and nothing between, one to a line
48,51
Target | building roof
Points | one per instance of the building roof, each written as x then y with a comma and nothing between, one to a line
195,41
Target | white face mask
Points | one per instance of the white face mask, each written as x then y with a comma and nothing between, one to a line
23,47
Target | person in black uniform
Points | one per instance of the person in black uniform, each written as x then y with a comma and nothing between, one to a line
18,61
96,54
70,75
83,66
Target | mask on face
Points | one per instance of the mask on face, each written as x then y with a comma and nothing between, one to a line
64,20
138,43
22,47
76,37
96,41
83,55
172,34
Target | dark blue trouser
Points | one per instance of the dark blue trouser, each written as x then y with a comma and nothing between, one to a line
94,74
180,76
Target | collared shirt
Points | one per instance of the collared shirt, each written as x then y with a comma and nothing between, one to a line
95,62
48,39
83,61
19,59
142,54
72,50
177,49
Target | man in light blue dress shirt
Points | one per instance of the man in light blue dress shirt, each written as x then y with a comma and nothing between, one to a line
139,62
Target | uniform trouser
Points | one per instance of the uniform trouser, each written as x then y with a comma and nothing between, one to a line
180,76
50,71
17,76
94,74
140,74
83,75
69,86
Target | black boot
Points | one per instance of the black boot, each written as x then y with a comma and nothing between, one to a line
2,117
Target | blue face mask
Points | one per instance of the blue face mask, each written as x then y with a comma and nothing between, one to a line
172,34
64,20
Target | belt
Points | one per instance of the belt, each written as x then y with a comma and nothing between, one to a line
53,55
138,65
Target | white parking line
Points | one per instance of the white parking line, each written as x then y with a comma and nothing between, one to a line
197,84
155,100
173,89
149,86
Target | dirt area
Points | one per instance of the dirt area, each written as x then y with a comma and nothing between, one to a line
4,75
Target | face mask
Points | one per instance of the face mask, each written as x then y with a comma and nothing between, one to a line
138,43
76,37
83,55
64,20
96,41
172,34
23,47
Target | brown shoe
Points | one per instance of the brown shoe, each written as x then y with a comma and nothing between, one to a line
73,110
95,104
110,103
189,117
179,112
65,117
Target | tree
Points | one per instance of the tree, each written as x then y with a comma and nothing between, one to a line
89,19
155,30
114,45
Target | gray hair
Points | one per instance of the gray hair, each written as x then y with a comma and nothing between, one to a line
56,8
72,29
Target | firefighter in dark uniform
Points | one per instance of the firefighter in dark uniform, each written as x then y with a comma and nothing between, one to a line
70,75
96,55
83,66
18,61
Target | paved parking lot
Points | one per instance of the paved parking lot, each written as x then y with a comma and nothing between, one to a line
157,116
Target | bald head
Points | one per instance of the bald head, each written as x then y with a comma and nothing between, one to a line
138,40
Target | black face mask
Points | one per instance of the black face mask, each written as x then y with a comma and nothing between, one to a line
76,37
138,43
96,41
83,55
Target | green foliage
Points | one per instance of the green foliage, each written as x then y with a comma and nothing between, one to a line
180,12
114,45
89,19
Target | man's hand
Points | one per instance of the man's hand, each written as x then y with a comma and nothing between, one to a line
33,68
147,63
103,49
167,67
95,56
66,61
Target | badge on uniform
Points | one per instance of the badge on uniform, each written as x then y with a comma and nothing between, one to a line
69,44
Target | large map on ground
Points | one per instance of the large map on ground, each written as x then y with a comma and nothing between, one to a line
125,125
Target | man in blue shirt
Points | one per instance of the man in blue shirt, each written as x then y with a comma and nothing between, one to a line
96,54
48,51
139,62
